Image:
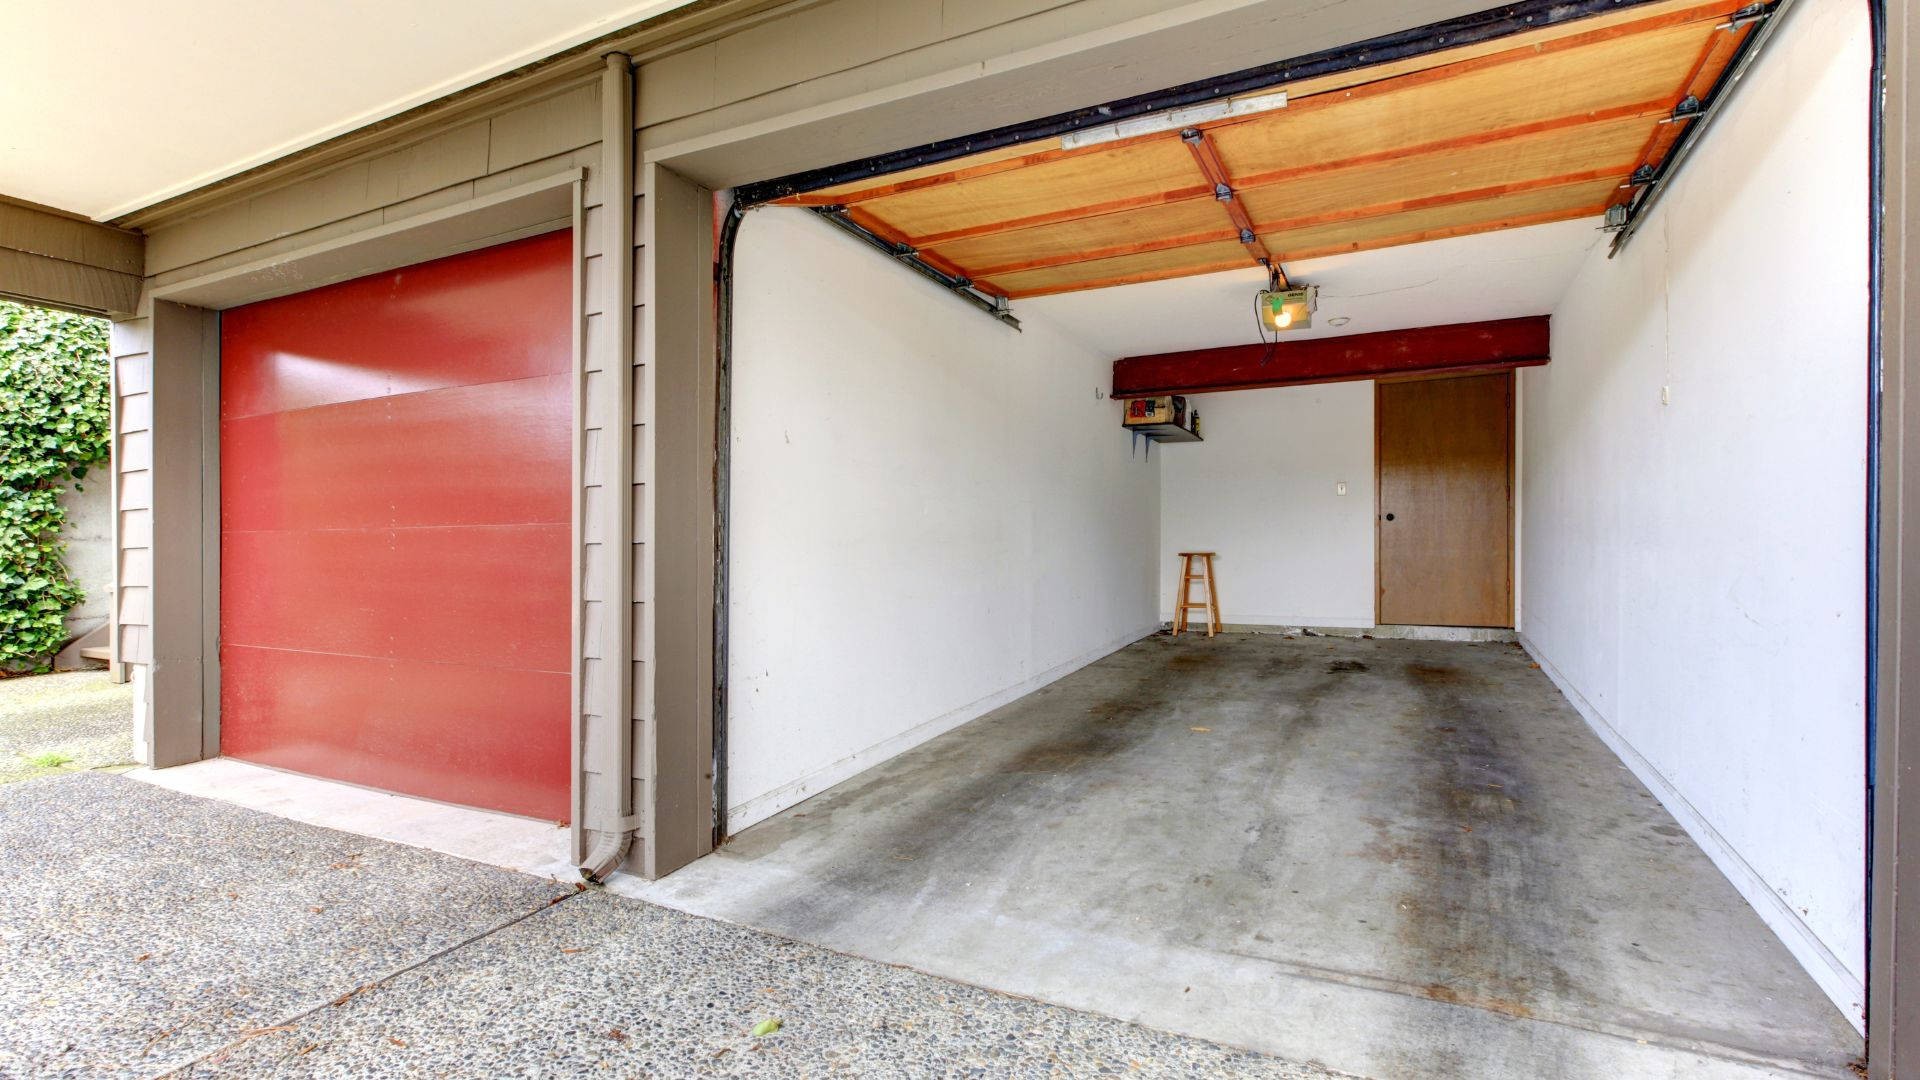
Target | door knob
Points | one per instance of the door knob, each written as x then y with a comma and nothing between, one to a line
1389,517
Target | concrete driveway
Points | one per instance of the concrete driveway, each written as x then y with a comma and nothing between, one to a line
144,932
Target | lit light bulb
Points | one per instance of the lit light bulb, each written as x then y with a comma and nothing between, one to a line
1282,319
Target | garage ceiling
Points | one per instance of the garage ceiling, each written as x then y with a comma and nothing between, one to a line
1542,126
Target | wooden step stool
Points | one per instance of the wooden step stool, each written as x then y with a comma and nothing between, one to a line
1187,578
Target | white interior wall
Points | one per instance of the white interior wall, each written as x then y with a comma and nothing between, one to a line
1695,570
931,515
1261,490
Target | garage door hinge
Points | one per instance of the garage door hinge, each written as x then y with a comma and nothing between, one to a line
1641,177
1688,109
1748,15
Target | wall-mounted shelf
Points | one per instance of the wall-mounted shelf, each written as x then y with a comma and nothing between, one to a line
1162,419
1164,432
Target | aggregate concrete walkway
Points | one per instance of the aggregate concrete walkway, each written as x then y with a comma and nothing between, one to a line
144,932
77,716
1398,858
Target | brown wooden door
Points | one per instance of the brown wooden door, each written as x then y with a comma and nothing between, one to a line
1444,452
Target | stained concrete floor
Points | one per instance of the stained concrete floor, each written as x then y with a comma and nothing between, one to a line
1396,858
145,932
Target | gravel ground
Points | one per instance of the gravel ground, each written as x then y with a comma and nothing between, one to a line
145,933
78,715
141,928
603,985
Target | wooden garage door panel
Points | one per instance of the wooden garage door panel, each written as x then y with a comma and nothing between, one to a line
1152,223
1146,266
1627,71
1492,169
1143,169
396,475
1437,222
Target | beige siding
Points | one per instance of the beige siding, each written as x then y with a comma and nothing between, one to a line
596,547
131,343
53,258
522,142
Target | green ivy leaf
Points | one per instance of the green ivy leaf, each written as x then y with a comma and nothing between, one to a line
55,422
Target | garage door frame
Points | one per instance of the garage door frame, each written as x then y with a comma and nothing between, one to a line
182,719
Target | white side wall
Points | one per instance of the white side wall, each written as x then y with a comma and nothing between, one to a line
1261,491
931,513
1695,570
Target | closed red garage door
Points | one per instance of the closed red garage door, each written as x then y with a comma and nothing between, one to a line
395,509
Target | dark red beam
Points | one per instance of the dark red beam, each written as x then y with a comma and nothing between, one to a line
1429,350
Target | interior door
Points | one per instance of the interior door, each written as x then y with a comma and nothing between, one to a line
1444,451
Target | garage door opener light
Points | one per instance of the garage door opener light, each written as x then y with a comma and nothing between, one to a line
1287,309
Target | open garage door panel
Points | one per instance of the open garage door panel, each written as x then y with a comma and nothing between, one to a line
1540,126
395,522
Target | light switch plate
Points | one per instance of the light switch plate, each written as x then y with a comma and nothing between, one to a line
1340,488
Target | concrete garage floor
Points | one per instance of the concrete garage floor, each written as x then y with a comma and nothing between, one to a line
145,933
1395,858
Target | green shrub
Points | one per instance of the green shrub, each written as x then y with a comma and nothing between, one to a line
54,425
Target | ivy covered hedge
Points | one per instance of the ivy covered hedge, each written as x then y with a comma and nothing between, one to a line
54,426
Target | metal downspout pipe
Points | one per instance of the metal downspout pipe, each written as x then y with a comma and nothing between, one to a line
612,822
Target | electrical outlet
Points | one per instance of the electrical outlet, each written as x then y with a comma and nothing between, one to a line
1340,488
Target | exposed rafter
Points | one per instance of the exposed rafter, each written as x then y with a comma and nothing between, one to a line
1207,156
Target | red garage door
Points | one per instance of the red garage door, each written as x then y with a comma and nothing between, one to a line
395,508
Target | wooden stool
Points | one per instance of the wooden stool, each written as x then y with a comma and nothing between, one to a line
1187,578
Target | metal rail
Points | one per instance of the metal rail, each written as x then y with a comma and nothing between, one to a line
1701,115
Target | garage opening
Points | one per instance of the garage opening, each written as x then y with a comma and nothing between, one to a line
1534,741
395,520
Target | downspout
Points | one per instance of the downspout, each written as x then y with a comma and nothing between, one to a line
613,821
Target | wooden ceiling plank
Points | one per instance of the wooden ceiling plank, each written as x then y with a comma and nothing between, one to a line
996,162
